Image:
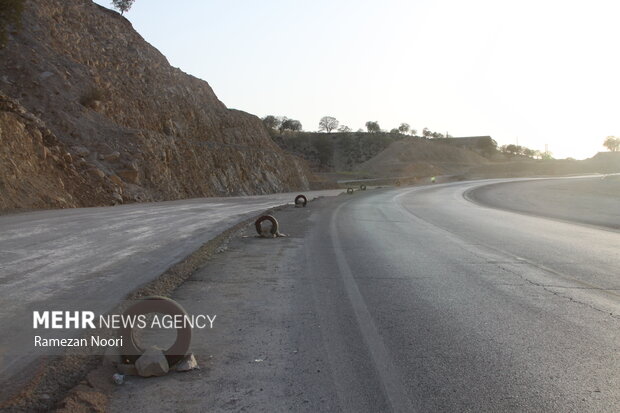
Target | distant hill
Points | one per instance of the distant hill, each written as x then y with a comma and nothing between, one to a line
380,155
395,157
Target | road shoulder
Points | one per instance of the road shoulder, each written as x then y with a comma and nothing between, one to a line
264,352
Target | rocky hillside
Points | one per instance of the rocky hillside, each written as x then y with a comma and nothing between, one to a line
37,171
117,121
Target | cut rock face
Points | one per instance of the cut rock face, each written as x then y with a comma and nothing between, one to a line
130,119
152,363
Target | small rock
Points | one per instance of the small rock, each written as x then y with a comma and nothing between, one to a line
112,157
117,180
81,151
129,175
152,363
45,75
188,363
67,157
118,378
117,197
96,172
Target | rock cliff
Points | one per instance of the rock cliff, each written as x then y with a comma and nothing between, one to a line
117,121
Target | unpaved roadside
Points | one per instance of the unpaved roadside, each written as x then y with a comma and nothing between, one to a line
265,347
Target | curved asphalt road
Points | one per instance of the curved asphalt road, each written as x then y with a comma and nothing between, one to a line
589,200
406,300
466,308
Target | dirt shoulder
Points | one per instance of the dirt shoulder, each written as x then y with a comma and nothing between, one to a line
265,346
593,201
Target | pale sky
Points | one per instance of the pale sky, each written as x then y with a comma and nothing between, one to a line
542,72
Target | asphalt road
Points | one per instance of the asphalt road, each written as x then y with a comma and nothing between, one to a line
589,200
91,258
407,300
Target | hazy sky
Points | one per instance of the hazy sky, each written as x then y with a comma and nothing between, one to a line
542,72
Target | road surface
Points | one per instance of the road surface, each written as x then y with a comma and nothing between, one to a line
594,201
406,300
93,257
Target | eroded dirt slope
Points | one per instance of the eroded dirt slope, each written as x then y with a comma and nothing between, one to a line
411,157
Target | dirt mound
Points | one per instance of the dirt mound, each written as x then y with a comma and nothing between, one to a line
114,102
420,157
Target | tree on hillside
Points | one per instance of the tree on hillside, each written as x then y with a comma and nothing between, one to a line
373,127
291,124
10,15
328,124
395,131
122,5
612,143
511,149
426,132
404,127
413,132
281,126
344,129
271,122
518,150
546,155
